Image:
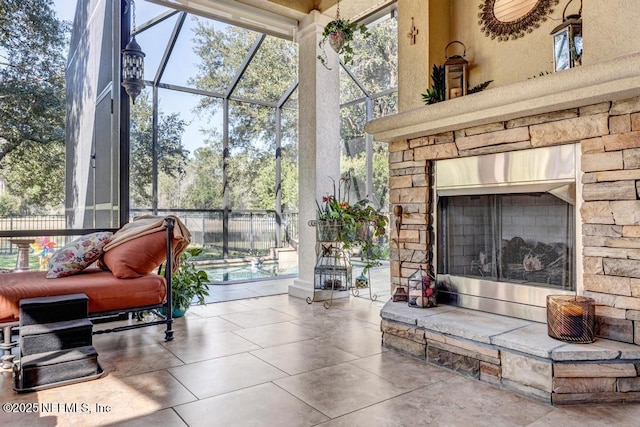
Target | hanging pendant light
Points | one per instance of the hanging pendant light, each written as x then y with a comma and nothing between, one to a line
133,63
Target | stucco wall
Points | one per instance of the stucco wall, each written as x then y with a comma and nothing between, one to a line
609,29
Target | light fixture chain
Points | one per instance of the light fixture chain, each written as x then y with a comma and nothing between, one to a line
133,14
338,11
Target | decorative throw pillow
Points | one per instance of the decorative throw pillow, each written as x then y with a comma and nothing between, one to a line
77,255
138,256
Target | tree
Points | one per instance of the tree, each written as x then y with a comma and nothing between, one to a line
172,156
251,126
203,189
375,68
32,100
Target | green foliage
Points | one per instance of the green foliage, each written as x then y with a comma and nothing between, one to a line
32,100
172,155
9,205
203,189
479,87
345,29
187,282
264,184
249,164
436,93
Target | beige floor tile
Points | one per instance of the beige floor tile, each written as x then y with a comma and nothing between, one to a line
225,374
210,310
210,346
403,370
194,326
627,415
276,334
340,389
456,402
329,322
258,317
361,342
127,339
262,405
137,360
303,356
120,399
163,418
274,301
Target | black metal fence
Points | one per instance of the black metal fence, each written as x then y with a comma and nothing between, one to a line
249,231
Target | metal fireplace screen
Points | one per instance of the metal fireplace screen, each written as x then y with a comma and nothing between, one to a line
523,238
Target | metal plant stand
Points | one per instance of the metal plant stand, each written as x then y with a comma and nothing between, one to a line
355,291
333,265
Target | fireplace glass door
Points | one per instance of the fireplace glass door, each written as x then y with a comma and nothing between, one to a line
524,238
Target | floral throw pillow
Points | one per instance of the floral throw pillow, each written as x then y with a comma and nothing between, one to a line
77,255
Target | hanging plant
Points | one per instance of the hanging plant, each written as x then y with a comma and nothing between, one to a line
339,33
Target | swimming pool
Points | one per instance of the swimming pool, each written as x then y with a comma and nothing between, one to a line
248,272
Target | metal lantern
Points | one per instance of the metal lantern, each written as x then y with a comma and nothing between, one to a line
333,269
133,69
456,73
132,61
422,290
567,41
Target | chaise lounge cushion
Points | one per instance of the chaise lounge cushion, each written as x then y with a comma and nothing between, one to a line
137,257
106,292
140,246
77,255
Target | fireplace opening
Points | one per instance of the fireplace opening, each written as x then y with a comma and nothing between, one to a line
506,230
512,238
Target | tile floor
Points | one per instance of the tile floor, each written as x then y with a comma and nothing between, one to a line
277,361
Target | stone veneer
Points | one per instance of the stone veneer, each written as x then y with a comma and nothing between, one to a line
514,354
609,137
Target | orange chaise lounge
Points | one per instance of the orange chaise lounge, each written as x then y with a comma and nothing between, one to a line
129,285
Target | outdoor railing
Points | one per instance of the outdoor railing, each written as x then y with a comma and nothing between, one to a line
248,231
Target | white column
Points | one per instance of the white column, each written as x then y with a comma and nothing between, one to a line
319,144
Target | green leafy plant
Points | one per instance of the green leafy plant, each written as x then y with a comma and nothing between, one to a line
188,282
437,92
339,33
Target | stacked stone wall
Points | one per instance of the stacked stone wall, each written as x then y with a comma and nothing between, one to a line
609,138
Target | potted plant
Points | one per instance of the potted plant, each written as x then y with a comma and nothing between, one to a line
188,283
339,33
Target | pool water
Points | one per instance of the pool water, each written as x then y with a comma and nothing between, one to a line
227,274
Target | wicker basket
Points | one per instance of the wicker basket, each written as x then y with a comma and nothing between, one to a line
571,318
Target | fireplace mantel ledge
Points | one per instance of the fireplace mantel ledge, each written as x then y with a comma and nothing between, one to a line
611,80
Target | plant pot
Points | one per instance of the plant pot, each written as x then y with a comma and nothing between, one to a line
328,231
179,311
176,312
336,40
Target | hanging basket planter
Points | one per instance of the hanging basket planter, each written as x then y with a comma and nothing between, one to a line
339,33
337,40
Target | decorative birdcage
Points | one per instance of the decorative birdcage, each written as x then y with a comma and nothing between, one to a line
422,290
333,269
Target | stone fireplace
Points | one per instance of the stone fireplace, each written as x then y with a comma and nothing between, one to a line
516,193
